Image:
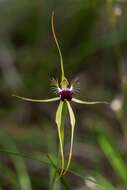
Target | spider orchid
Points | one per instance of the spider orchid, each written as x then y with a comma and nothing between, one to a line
65,93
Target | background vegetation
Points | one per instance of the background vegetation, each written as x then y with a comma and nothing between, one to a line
93,38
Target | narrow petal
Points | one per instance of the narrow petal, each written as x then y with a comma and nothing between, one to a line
72,120
58,122
86,102
34,100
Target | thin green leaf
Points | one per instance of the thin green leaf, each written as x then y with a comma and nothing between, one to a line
62,180
114,157
34,100
54,184
10,174
19,163
86,102
103,183
39,158
58,122
9,152
72,120
58,47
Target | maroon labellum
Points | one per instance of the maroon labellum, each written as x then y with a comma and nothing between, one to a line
66,94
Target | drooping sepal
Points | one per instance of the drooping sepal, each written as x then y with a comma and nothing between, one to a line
58,122
72,121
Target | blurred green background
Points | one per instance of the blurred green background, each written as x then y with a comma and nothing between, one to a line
93,38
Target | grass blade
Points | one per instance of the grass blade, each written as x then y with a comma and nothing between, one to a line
114,156
19,164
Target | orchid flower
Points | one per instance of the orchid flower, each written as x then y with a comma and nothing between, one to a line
65,92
